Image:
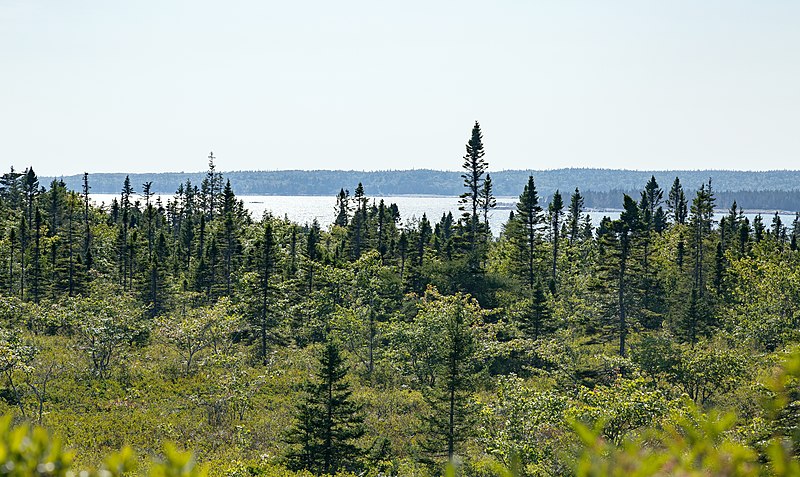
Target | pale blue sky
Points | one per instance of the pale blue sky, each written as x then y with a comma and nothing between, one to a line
150,85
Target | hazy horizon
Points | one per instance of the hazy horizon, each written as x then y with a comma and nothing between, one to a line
153,86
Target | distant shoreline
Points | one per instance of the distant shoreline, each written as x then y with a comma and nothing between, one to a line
601,188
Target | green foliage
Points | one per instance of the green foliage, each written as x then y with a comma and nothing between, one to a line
27,451
328,421
452,411
525,427
185,319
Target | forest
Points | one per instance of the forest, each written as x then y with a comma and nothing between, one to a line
186,337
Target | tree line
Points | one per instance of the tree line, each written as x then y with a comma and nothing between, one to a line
602,188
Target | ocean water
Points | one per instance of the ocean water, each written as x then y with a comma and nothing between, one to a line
306,209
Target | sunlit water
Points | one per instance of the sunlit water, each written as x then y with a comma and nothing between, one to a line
305,209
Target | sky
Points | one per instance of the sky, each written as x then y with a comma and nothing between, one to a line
154,85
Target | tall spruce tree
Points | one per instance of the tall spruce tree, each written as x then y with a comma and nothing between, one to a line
701,223
527,236
87,232
342,208
487,201
617,271
676,203
652,223
535,319
556,210
474,168
452,411
327,420
312,253
267,257
574,216
30,189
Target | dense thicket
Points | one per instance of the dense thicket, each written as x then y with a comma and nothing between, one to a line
390,346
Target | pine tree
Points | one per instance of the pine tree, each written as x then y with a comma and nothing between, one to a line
744,236
652,196
37,262
10,188
12,238
758,228
327,420
422,237
231,239
358,231
87,233
127,191
556,210
267,257
574,217
342,208
487,201
402,248
778,229
23,249
676,203
157,271
211,187
474,167
535,319
312,242
702,220
651,215
450,419
617,272
529,218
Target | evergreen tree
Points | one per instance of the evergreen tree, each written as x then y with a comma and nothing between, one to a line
157,279
36,259
487,201
358,231
402,248
526,238
617,271
87,233
778,229
652,216
30,189
758,228
452,412
676,203
342,208
702,220
211,188
10,188
744,236
328,421
23,249
312,242
266,269
127,191
536,316
574,217
230,232
422,240
474,168
652,196
556,210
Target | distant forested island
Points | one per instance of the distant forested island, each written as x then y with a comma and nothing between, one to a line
602,188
